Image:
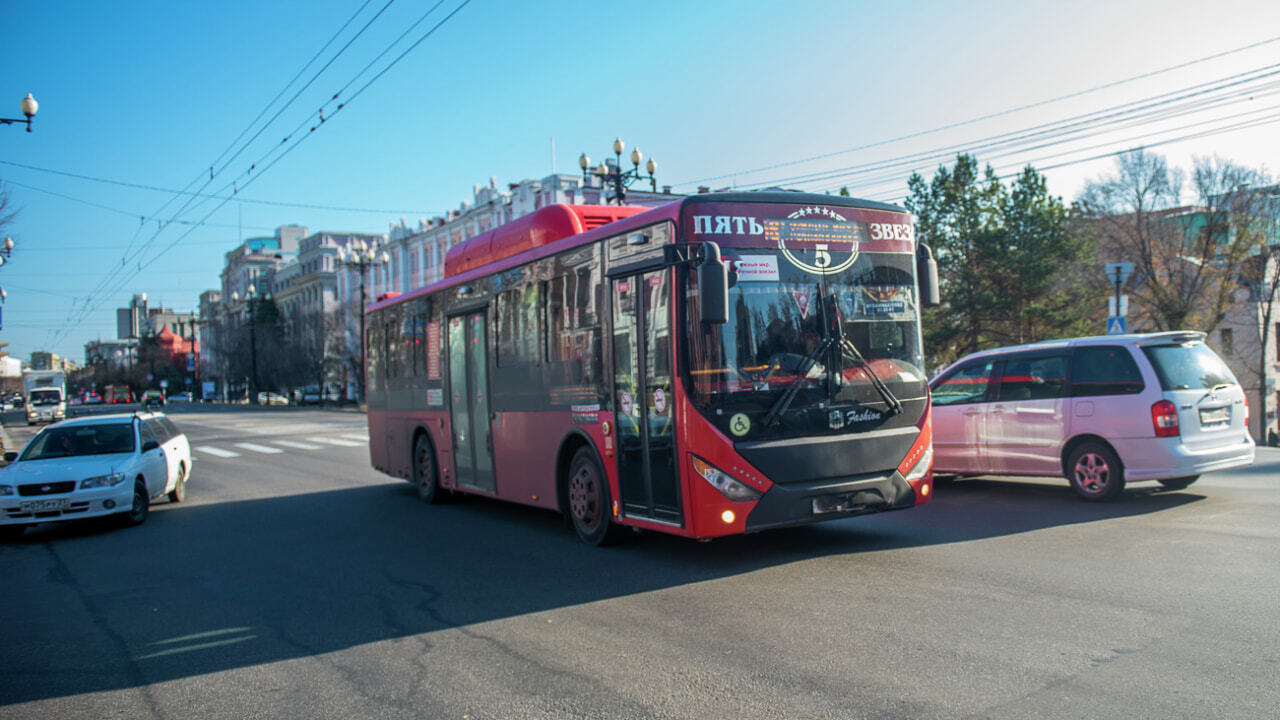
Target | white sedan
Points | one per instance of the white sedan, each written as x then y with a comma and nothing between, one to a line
93,466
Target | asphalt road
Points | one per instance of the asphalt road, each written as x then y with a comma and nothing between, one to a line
302,584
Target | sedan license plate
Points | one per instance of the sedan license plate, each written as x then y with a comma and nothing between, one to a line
44,505
1216,416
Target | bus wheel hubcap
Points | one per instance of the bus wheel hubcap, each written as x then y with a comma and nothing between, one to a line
583,499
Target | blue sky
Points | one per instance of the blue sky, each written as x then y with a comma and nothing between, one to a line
149,96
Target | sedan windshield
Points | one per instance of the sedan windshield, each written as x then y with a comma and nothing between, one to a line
77,440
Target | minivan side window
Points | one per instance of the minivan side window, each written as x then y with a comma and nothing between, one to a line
966,385
1036,378
1104,370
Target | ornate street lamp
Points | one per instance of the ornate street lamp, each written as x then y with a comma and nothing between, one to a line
6,250
614,175
361,256
29,107
252,299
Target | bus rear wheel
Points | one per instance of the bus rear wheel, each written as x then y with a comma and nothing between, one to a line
425,477
589,503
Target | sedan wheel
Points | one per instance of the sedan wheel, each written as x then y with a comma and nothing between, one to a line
179,491
141,504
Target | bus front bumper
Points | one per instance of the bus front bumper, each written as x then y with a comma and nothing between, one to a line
788,504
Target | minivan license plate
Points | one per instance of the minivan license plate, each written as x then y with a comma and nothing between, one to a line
1214,417
44,505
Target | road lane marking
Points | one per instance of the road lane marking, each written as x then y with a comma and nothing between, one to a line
362,437
217,452
296,445
337,441
259,448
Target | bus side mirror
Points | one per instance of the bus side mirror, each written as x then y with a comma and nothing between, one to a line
713,286
927,276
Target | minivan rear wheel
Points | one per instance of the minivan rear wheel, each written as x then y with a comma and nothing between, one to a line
1095,472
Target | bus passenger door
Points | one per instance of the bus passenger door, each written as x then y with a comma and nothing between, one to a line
469,400
646,454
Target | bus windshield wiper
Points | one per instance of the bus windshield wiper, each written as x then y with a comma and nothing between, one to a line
784,401
849,352
890,400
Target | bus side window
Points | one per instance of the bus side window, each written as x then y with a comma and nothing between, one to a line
373,352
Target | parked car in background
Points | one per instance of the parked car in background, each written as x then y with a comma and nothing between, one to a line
152,399
182,397
270,398
93,466
1101,411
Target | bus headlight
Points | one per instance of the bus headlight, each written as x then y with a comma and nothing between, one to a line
730,487
921,468
102,481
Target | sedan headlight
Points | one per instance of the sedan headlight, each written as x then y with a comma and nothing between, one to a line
102,481
6,489
720,480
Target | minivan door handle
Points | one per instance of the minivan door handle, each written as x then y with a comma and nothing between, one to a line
974,411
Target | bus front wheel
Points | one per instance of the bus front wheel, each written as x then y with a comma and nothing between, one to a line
589,503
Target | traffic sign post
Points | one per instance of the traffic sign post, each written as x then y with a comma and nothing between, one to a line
1118,306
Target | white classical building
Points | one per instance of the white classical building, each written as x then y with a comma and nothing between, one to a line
305,273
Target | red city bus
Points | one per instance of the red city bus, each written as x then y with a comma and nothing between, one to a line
722,364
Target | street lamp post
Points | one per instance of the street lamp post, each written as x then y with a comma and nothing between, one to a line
614,174
6,251
361,256
252,299
192,325
29,107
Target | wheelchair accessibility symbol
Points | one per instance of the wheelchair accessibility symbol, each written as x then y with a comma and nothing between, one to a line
740,424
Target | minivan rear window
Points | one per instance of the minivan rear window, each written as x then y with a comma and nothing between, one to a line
1188,366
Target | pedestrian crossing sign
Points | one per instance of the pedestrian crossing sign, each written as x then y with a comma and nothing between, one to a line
1116,326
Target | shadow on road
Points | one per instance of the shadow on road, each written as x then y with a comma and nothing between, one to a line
202,588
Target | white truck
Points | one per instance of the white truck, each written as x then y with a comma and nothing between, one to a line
46,395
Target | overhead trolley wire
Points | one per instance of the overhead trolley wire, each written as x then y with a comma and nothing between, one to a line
1010,111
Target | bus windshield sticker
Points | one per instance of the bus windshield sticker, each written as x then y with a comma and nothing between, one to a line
740,424
802,301
757,268
884,302
435,396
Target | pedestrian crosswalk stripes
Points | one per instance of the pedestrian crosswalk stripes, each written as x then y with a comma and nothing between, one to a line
264,449
338,441
237,449
216,452
296,445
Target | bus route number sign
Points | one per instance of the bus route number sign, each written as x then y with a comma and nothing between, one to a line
817,246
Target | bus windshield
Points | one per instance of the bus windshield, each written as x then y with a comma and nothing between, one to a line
806,353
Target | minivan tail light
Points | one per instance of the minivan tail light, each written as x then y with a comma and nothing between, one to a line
1246,412
1164,418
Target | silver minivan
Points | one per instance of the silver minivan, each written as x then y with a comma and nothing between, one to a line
1101,411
